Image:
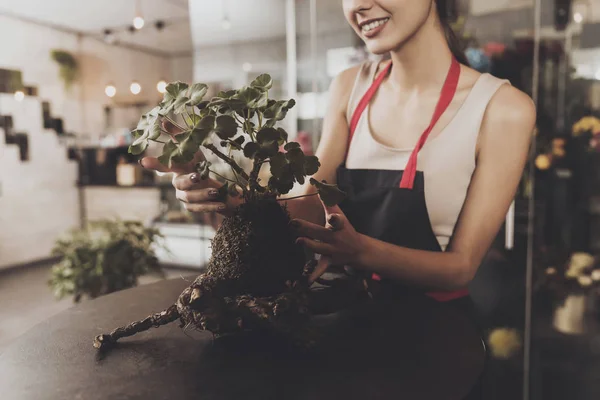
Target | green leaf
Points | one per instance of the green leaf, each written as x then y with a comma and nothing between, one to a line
180,153
196,92
291,145
267,134
167,153
202,105
180,104
226,94
192,120
262,82
226,127
311,165
173,89
278,163
250,149
281,185
295,157
279,109
283,136
201,136
239,140
251,97
330,194
138,148
148,128
268,149
207,122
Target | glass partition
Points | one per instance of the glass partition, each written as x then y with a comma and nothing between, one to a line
498,38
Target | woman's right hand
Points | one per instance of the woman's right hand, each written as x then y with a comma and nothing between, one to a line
197,195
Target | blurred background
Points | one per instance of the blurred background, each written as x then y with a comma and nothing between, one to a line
79,217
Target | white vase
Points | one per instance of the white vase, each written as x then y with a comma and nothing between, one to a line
570,317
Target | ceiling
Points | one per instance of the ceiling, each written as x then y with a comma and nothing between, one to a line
92,17
249,20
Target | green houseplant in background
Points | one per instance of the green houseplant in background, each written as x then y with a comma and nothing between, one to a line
68,66
105,257
257,277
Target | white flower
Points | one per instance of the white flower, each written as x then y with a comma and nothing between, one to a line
584,281
596,275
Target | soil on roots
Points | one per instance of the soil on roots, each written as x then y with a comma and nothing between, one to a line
254,250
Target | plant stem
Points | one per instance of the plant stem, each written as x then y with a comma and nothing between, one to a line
228,160
221,176
298,197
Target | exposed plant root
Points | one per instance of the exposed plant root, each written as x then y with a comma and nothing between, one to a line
167,316
256,280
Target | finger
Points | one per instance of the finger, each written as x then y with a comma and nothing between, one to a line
317,247
197,196
204,207
320,269
314,231
331,210
189,182
336,222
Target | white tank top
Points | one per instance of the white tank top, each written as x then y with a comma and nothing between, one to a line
447,159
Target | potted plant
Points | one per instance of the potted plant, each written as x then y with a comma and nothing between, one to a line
105,257
68,66
257,277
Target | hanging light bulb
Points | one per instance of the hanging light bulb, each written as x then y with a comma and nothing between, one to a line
135,87
578,17
161,86
247,67
110,90
19,95
138,22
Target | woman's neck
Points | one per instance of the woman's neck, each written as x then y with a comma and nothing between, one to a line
422,62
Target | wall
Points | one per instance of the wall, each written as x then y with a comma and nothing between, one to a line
38,198
28,50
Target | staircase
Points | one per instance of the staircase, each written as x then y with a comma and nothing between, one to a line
38,194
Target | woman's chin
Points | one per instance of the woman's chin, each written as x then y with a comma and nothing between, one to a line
379,49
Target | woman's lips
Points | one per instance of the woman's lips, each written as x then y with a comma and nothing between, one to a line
373,27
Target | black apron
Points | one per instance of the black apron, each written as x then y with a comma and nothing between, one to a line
389,205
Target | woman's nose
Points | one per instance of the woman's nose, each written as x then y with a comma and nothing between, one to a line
358,5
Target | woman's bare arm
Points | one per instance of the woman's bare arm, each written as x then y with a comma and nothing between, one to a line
503,147
331,150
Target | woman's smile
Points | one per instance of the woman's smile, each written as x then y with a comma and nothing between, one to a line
371,27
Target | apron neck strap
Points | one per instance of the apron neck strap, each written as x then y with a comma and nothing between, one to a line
448,91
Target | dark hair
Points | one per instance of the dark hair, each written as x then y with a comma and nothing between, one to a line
445,14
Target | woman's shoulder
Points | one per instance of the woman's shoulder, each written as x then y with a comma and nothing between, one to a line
510,115
343,84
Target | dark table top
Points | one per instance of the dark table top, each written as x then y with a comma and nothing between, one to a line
423,350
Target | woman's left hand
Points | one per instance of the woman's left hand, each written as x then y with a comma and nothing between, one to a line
337,242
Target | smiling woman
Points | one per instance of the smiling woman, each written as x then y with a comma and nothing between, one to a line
422,116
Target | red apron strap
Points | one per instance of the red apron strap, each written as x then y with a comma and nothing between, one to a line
448,91
364,102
